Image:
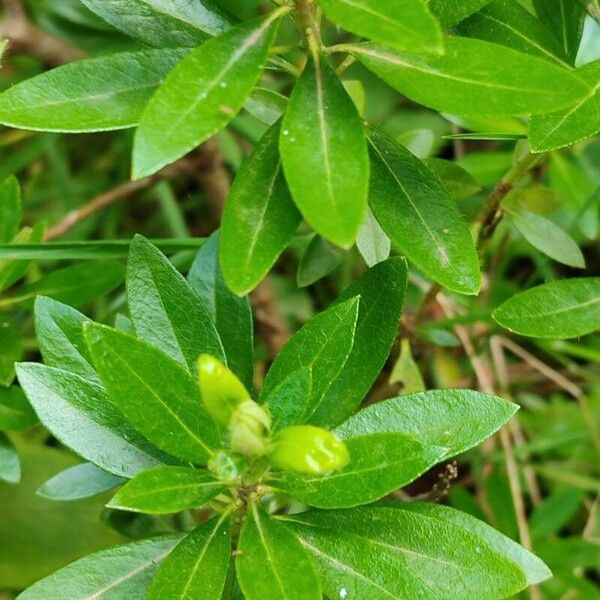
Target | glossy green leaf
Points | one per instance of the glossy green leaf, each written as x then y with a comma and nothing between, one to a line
198,566
163,307
565,19
379,464
77,284
95,94
372,242
16,413
59,330
120,572
457,180
202,94
508,23
165,490
288,401
403,25
381,291
272,564
10,209
474,77
451,12
576,122
421,218
232,316
322,345
11,348
324,154
259,218
401,552
266,105
318,260
81,481
454,419
558,309
163,23
548,238
10,466
156,394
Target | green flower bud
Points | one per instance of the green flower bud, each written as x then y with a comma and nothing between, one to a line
225,466
222,392
308,449
249,429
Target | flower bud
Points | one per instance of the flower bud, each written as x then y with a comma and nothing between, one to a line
222,392
308,449
249,429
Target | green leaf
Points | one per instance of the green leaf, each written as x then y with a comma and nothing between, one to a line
318,260
266,105
156,394
456,180
165,490
555,512
576,122
198,566
260,217
95,94
232,316
76,284
10,209
383,552
272,564
163,23
80,414
202,94
379,464
475,77
81,481
508,23
10,466
324,154
11,270
59,330
163,306
403,25
120,572
557,310
11,348
289,400
548,238
406,371
16,413
565,19
372,242
451,12
381,290
421,218
322,345
454,419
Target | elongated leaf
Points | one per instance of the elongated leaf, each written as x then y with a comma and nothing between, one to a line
558,309
381,291
165,490
289,401
16,413
323,345
384,552
372,242
457,180
81,481
121,572
259,219
267,550
82,416
266,105
451,12
10,465
419,215
156,394
10,209
10,270
163,23
202,94
573,123
548,238
403,25
379,464
324,154
95,94
318,260
165,310
475,77
232,316
11,348
59,330
555,512
198,566
454,419
508,23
